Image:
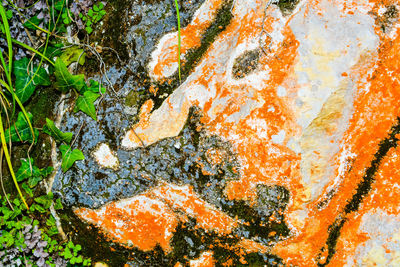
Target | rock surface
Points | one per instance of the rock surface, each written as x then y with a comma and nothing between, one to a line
279,145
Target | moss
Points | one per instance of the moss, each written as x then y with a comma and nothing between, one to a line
94,244
245,64
113,30
132,98
287,6
388,18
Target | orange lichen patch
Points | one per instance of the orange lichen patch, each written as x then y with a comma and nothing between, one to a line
215,156
205,260
145,110
384,196
377,104
164,58
264,161
152,128
184,199
140,222
252,246
300,120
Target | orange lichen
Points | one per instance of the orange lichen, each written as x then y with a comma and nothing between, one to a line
183,198
260,124
379,104
205,260
191,36
139,222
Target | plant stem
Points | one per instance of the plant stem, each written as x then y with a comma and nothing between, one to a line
179,39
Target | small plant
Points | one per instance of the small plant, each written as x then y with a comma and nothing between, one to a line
66,17
93,16
29,235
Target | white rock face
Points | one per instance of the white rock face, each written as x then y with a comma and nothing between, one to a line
105,157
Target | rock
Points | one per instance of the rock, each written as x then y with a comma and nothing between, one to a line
279,146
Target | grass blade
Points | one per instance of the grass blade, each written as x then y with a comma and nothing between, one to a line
8,159
179,39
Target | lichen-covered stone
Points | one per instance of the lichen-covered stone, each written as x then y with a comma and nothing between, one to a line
289,159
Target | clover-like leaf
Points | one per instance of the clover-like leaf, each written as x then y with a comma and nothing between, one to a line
85,103
69,157
31,22
20,131
89,29
65,80
51,129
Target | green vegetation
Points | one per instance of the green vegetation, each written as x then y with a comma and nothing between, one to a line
94,16
30,232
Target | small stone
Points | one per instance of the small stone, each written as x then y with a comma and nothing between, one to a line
105,157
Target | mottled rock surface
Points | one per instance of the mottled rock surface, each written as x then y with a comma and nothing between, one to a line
279,146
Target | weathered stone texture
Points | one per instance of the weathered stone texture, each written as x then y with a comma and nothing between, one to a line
295,141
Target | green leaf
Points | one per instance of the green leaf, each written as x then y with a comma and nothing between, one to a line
25,170
9,14
50,129
94,87
31,22
102,12
58,205
67,253
95,8
65,80
41,77
46,171
53,51
34,180
39,208
90,12
22,89
52,231
59,5
72,54
77,247
89,29
79,259
20,131
16,202
69,157
23,75
85,103
101,5
27,189
44,200
51,221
